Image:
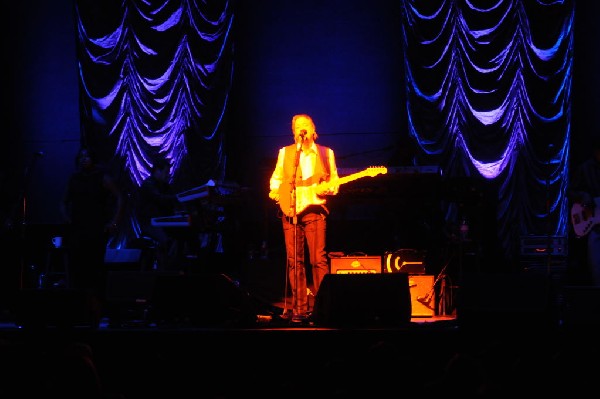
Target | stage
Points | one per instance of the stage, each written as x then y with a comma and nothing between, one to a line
277,358
220,334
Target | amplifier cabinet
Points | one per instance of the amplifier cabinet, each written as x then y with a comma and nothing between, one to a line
355,265
422,297
541,245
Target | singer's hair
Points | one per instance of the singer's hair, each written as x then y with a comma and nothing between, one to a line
306,116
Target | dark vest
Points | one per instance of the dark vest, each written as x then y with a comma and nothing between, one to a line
321,168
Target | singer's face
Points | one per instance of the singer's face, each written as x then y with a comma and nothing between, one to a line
302,125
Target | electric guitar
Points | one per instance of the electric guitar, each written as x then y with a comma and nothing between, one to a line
309,194
585,218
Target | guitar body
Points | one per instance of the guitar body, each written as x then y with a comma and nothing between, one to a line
309,195
286,200
584,219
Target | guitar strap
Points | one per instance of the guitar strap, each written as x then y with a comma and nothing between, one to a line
322,168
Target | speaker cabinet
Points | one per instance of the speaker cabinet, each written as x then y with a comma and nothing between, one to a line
355,265
422,296
502,300
132,286
123,258
581,306
128,295
64,308
203,299
363,300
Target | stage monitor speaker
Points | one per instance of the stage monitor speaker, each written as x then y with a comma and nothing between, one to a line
128,295
363,300
422,295
63,308
504,300
355,265
203,300
581,306
122,258
132,286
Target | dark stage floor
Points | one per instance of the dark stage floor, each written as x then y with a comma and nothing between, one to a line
427,357
222,335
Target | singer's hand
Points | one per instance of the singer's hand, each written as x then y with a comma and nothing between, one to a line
274,195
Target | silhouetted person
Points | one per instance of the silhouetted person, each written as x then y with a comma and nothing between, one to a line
585,193
156,199
92,206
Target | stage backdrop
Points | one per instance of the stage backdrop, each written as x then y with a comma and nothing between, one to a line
499,96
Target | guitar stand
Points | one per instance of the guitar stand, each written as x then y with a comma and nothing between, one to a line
442,308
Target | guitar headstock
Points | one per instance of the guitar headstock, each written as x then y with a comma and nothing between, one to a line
375,170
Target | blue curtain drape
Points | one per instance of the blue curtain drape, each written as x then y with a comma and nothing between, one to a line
489,100
154,81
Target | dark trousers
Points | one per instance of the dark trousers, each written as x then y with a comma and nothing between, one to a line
309,230
86,269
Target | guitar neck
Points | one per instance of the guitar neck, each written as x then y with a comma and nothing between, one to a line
349,178
311,193
342,180
354,176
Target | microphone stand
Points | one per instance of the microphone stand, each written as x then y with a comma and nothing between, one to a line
295,223
23,216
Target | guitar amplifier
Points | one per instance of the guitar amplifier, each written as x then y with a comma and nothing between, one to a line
544,246
411,261
355,265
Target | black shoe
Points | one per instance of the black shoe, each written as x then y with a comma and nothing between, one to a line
287,315
300,317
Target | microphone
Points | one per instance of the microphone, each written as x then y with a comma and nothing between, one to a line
301,138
